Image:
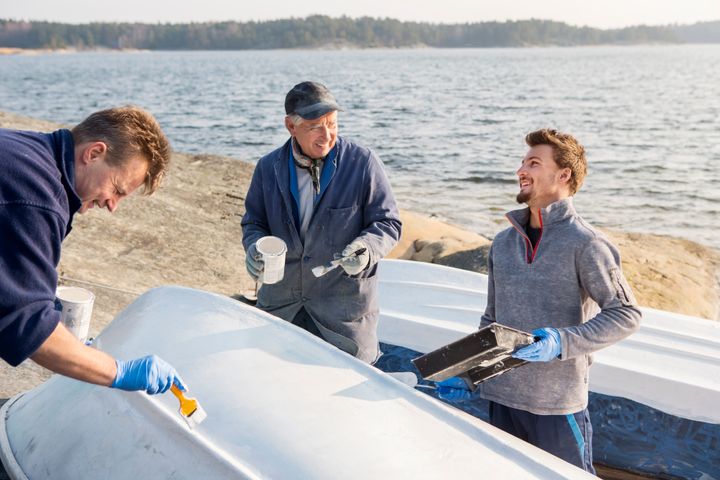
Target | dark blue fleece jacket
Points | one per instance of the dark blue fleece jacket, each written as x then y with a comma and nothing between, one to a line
37,203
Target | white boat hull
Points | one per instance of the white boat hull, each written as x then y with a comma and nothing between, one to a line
280,404
672,363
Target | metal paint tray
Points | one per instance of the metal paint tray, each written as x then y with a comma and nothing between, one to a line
476,357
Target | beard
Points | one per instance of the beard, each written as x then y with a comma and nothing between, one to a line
522,197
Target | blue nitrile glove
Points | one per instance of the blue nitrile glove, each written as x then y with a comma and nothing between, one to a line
453,389
151,373
549,347
254,262
356,263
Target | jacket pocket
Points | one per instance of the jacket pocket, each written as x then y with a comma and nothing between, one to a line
343,225
622,289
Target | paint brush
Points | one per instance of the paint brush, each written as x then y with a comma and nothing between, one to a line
190,409
321,270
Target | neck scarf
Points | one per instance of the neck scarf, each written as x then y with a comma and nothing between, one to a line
312,165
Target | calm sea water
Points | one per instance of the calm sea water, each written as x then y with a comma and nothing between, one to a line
449,124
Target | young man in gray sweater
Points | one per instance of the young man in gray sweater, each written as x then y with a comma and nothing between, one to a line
548,273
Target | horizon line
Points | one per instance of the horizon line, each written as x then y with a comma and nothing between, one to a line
359,18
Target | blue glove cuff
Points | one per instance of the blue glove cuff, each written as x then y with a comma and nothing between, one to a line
121,369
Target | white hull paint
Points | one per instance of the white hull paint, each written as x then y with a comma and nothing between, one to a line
672,363
280,403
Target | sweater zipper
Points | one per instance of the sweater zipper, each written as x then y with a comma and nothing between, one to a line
528,244
535,249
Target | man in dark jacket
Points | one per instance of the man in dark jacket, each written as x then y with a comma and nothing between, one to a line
322,195
46,179
553,274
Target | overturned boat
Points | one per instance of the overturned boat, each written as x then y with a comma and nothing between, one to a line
655,396
280,404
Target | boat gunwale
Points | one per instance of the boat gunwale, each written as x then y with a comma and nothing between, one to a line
7,457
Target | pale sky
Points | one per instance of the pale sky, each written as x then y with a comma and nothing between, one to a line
595,13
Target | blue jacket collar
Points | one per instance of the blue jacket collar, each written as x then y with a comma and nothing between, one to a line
64,150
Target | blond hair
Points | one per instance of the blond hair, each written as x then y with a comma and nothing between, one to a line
567,153
128,131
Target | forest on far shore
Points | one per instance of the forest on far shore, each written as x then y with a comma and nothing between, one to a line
320,31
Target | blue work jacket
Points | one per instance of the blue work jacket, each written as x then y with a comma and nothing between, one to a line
355,202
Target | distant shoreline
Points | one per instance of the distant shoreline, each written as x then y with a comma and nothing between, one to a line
8,51
321,31
62,51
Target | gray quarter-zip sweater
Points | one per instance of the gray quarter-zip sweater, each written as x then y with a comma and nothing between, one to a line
572,271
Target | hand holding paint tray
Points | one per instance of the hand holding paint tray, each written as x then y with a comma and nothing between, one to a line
477,357
321,270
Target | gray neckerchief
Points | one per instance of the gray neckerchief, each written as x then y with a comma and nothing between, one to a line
312,165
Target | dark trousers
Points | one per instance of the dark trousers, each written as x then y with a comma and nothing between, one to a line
566,436
303,320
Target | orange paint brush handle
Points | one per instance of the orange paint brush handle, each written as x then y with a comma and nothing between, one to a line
187,405
177,392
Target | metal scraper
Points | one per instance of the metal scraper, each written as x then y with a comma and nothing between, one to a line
321,270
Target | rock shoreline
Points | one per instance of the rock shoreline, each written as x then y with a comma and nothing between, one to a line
189,234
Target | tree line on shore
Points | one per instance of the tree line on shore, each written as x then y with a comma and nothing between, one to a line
320,31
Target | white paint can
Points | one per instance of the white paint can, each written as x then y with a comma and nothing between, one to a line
75,305
273,251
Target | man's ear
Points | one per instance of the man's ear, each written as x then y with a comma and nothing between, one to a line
94,151
290,126
565,175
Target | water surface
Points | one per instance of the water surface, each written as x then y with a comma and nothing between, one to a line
449,124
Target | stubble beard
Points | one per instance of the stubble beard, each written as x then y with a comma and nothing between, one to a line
522,197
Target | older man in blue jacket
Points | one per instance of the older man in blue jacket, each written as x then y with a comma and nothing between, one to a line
322,195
